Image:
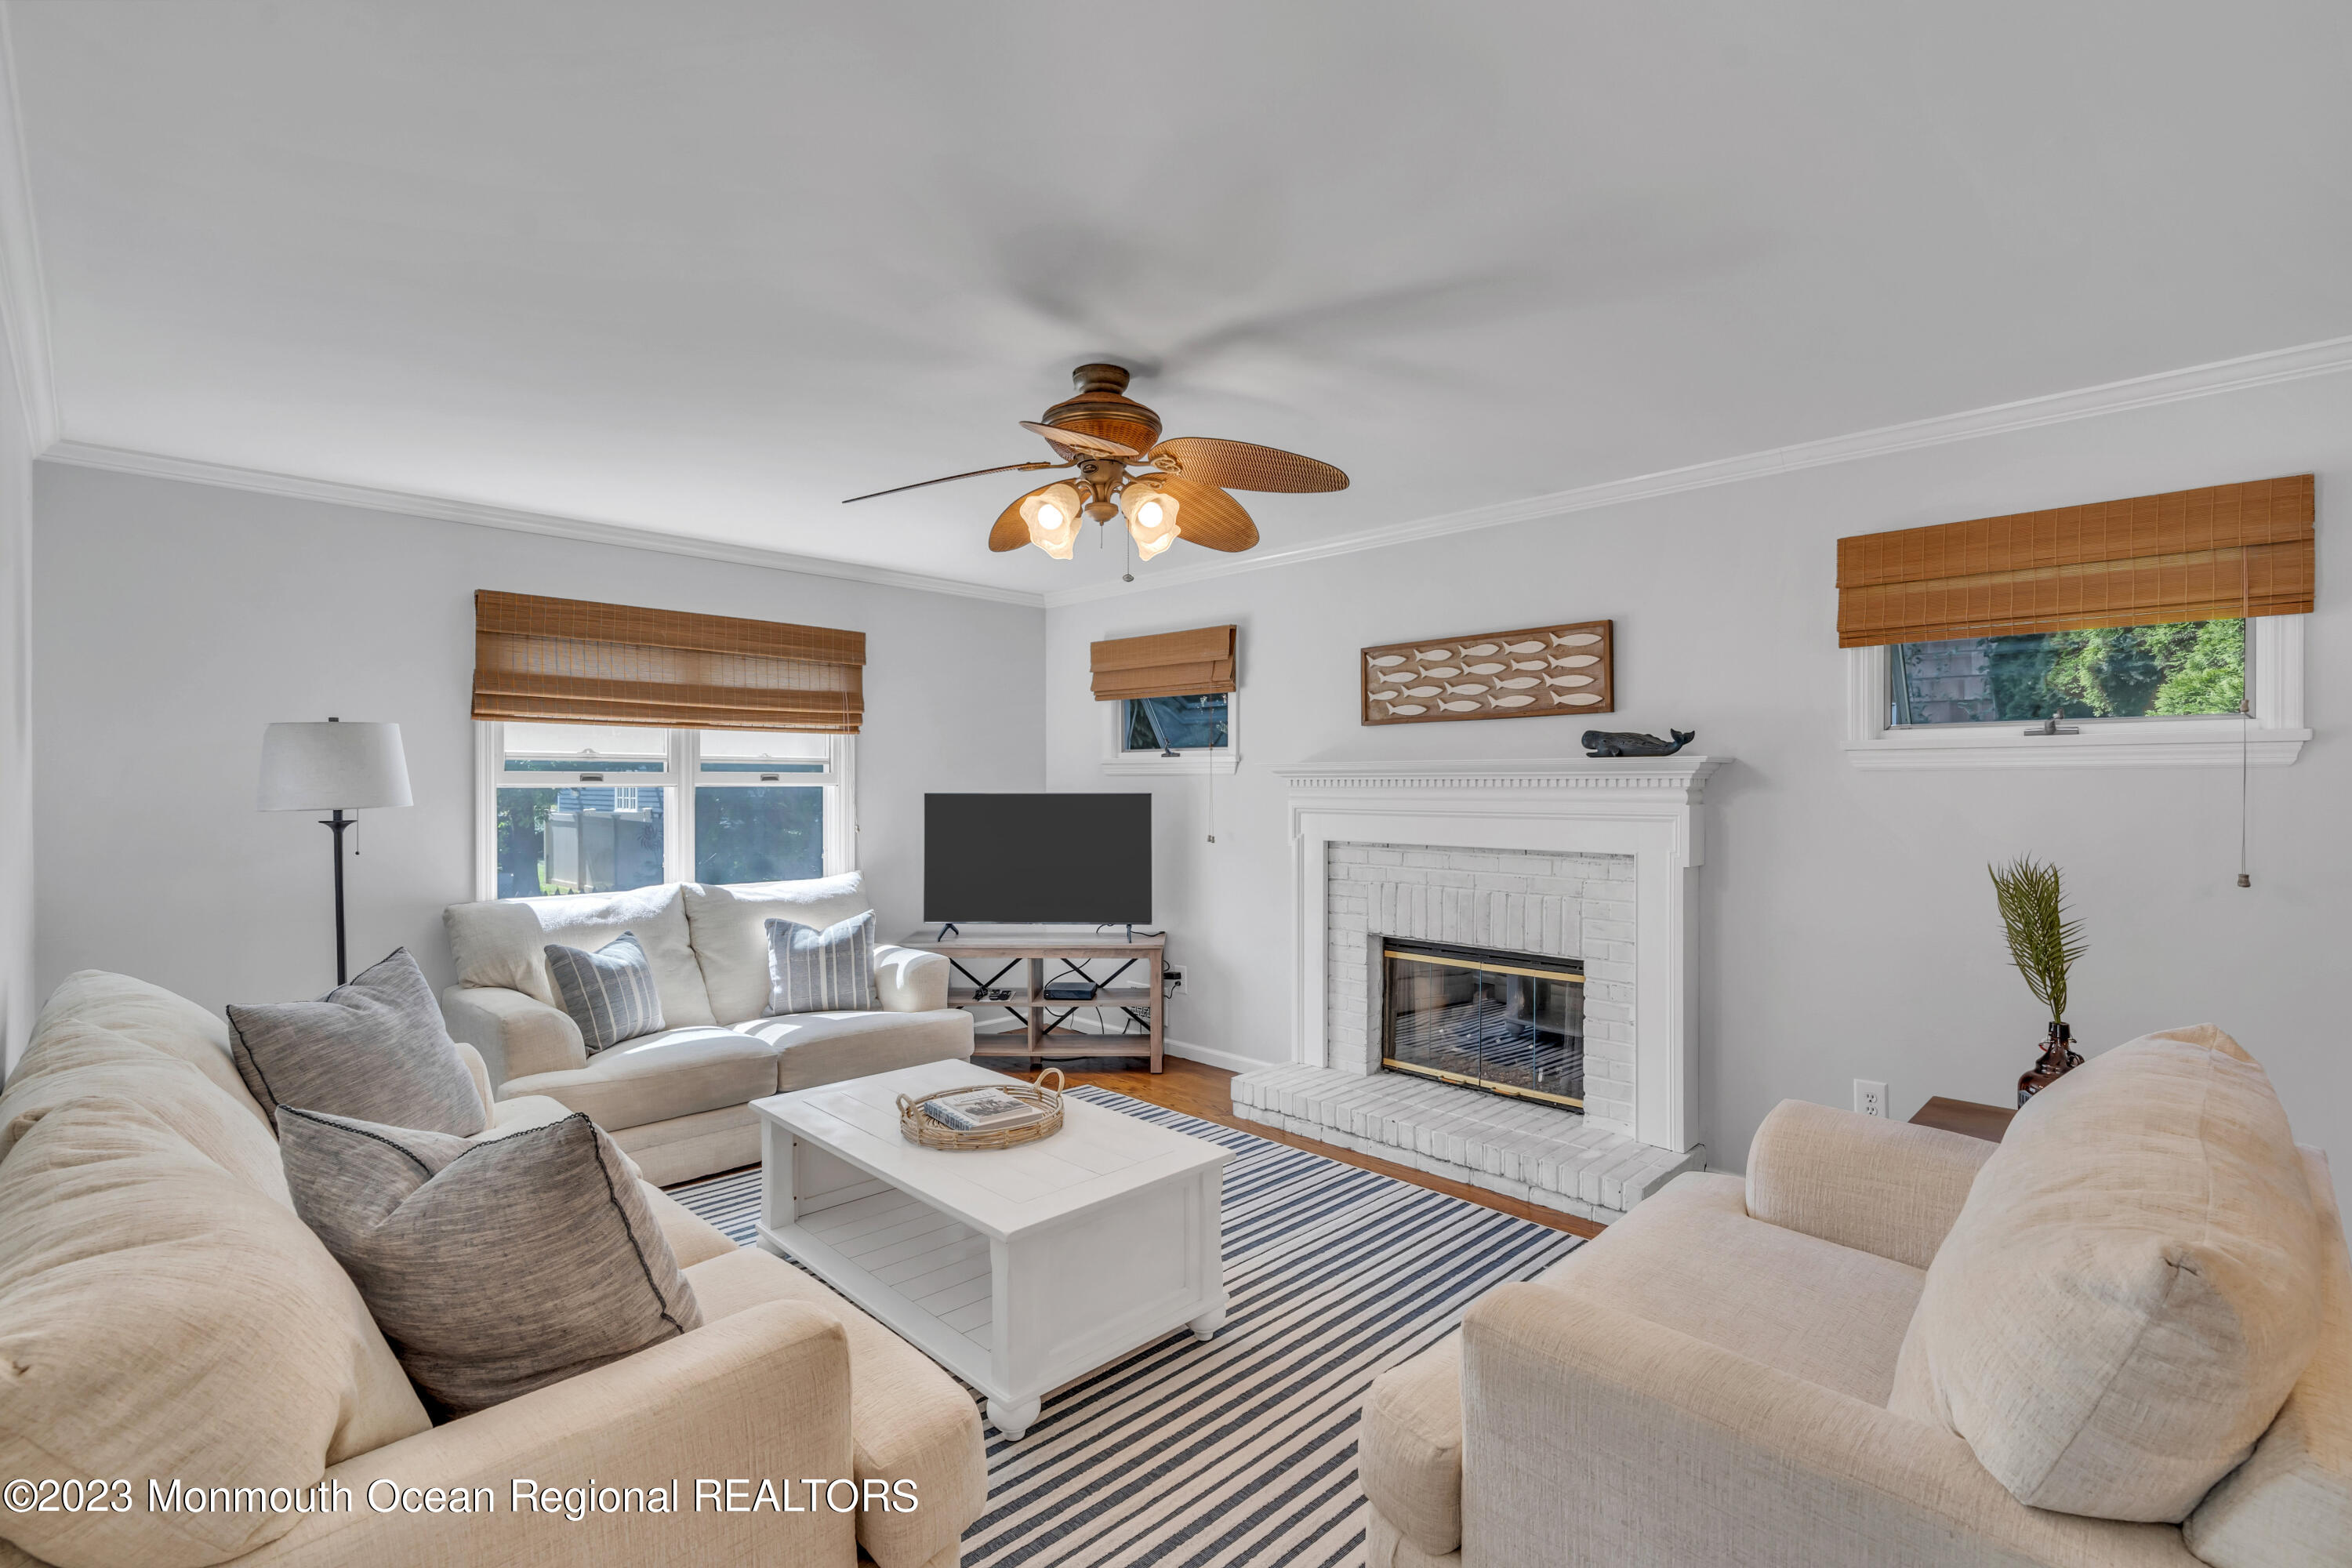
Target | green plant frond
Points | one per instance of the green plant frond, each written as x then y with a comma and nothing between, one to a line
2043,942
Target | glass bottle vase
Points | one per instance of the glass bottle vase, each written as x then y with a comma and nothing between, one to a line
2058,1058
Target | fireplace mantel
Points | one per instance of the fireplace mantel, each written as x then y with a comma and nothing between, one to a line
1649,808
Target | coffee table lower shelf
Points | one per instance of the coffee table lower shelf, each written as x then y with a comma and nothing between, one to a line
1017,1315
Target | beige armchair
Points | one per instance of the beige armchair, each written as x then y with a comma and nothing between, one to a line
1708,1383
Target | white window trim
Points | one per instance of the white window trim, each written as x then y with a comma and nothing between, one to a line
1118,762
2273,738
839,780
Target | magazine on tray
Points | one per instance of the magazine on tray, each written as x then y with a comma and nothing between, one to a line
982,1111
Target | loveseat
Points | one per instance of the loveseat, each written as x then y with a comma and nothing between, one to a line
1793,1370
166,1316
679,1100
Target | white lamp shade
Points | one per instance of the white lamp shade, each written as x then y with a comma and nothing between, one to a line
333,766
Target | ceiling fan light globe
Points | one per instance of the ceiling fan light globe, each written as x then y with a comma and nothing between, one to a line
1150,516
1052,516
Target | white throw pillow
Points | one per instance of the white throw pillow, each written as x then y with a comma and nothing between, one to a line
503,942
730,931
2131,1288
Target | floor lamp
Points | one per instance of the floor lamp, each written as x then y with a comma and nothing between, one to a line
335,767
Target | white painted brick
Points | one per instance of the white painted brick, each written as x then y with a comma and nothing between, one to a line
1379,856
1345,854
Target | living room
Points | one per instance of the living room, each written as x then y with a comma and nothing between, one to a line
1718,483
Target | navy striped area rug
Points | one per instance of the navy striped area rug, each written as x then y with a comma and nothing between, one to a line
1242,1450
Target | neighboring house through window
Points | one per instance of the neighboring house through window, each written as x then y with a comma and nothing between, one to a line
579,808
1199,730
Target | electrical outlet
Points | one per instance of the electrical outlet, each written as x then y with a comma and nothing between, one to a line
1869,1098
1171,981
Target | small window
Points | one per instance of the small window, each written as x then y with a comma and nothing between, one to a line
1171,734
2179,669
600,808
1175,723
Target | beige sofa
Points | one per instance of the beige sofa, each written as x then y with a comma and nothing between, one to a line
1708,1382
163,1314
679,1100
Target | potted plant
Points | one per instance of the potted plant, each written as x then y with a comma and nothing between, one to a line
2044,945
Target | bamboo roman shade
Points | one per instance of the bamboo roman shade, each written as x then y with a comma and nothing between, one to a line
1173,664
2188,555
575,662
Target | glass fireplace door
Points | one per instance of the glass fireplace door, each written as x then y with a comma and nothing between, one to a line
1510,1023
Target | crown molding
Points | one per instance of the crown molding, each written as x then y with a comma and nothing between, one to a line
154,465
23,294
2239,374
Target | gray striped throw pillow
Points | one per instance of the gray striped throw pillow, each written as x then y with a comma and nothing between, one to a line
812,971
609,993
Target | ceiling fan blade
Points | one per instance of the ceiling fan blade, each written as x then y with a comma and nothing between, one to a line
1010,532
1207,515
1088,445
1239,466
999,468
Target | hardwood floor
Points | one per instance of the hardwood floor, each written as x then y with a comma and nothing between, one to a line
1198,1090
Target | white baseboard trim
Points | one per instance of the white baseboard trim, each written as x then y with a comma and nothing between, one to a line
1231,1062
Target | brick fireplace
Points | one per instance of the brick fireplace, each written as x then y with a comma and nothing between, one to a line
1574,873
1578,907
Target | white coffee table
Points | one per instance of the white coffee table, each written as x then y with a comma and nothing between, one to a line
1017,1269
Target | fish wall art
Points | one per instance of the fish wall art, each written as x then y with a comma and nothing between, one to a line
1531,674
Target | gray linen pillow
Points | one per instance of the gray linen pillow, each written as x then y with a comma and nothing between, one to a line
609,993
811,971
376,1048
494,1267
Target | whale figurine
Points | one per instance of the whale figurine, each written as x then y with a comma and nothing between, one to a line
1627,744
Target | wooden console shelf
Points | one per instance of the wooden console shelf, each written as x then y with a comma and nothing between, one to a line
989,960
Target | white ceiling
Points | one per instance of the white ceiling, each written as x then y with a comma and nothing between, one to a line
708,267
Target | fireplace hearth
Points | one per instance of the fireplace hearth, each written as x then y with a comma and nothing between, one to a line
1508,1023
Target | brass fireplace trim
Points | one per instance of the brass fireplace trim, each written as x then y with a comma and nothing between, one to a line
1486,1084
1567,975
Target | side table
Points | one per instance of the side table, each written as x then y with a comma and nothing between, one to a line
1966,1116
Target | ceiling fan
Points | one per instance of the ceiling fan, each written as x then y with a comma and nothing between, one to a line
1103,433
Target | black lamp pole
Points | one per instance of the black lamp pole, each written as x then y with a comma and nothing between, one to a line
339,822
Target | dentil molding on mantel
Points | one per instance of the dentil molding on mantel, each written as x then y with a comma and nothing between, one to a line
1686,776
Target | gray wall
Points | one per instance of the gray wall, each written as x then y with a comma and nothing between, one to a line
175,620
1846,926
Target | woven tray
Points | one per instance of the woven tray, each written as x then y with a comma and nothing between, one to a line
917,1128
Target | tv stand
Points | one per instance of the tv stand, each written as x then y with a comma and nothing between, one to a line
983,962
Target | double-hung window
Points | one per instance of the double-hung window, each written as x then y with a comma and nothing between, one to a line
580,808
620,746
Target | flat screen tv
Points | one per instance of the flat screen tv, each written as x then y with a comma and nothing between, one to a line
1038,859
